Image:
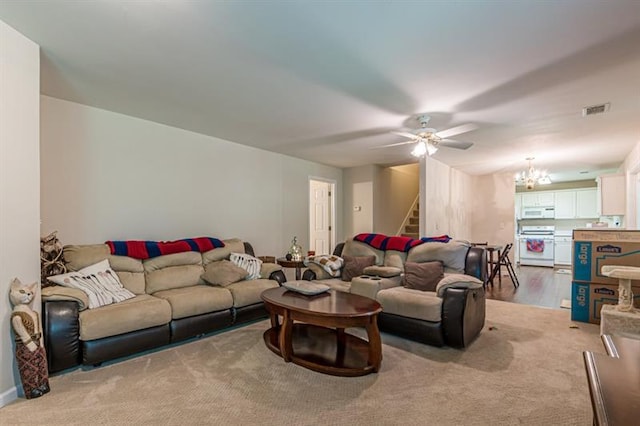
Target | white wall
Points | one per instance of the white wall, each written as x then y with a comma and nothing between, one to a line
446,201
110,176
631,168
19,184
493,218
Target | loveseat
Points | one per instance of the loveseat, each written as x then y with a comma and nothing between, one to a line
452,314
172,303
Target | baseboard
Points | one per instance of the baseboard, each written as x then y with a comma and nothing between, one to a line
8,396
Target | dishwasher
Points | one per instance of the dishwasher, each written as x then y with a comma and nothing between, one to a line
563,248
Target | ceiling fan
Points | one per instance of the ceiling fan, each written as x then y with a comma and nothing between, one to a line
428,140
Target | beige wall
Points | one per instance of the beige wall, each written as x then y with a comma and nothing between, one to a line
631,168
397,189
359,187
110,176
446,203
493,218
19,185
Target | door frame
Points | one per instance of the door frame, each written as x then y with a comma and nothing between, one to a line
332,209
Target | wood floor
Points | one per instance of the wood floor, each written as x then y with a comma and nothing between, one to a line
538,286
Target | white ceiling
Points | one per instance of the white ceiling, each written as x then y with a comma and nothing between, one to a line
328,81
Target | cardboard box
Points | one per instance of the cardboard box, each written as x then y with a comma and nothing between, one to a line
587,300
593,248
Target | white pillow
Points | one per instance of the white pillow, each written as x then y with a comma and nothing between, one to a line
100,283
251,264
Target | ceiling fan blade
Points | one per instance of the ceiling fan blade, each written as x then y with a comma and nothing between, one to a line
463,128
393,144
450,143
406,135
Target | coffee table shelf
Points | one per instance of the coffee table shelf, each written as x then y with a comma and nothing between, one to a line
320,349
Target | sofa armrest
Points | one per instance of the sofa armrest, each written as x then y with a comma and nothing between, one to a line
278,276
61,329
266,269
308,275
463,315
476,263
370,286
457,281
59,293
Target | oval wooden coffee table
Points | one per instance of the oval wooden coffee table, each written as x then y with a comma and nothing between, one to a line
318,340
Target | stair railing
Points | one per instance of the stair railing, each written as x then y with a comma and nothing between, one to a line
409,215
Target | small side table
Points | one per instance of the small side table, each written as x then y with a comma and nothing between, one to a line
298,264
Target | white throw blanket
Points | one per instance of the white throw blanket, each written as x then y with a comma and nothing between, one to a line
330,263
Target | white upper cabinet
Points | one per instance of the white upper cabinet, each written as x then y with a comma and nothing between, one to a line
538,199
579,203
587,203
566,205
612,193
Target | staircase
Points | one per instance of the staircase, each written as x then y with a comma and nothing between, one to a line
412,227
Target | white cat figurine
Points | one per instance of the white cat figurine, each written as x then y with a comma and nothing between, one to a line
30,354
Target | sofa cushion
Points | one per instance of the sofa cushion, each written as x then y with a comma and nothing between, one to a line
407,302
138,313
223,273
232,245
336,284
129,270
173,271
423,276
354,266
357,248
196,300
247,293
452,254
382,271
395,259
370,286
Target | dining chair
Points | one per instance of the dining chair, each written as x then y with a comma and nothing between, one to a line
503,260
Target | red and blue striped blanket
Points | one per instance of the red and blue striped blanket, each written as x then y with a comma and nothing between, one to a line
149,249
383,242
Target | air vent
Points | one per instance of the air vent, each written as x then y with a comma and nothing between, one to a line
595,109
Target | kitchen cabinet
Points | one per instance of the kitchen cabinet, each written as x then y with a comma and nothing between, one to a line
562,250
612,194
518,206
587,203
538,199
565,204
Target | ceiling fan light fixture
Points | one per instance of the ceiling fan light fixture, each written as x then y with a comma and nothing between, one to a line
420,149
423,148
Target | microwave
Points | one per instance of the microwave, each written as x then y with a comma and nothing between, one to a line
538,212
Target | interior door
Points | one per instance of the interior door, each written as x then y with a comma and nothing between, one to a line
320,216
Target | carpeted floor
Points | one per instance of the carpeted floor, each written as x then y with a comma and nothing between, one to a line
525,368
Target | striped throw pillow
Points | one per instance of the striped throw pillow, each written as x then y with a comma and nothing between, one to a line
251,264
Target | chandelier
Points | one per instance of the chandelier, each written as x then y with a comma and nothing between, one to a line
531,176
425,146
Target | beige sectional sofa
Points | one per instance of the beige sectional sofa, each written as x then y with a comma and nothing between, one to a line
452,314
172,302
